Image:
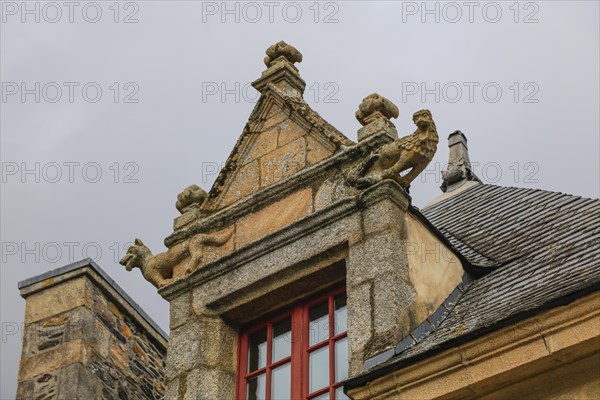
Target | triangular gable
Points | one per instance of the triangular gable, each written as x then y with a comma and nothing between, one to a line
282,137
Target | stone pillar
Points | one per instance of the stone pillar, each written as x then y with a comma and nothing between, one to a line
201,361
378,287
85,339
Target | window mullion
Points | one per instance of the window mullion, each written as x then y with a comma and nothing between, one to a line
297,352
269,358
331,343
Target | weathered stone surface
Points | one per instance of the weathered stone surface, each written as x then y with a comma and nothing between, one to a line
246,181
25,390
181,310
184,349
316,150
375,106
283,162
392,296
333,189
78,383
290,131
53,359
172,389
377,255
55,300
383,215
265,142
98,349
209,384
274,217
360,323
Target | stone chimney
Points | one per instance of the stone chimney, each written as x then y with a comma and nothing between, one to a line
459,165
84,338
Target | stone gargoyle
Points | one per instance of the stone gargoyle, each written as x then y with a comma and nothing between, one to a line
412,152
159,269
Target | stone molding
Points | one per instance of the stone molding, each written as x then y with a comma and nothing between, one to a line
288,235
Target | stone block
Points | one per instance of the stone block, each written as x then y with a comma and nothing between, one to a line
378,125
209,384
392,299
377,255
382,215
273,217
360,324
290,131
283,162
57,357
25,390
184,349
181,310
77,383
245,182
55,300
316,151
172,389
264,143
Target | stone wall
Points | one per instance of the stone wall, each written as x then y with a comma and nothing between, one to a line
84,338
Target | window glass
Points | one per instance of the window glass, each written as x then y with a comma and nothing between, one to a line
257,350
341,314
319,323
339,394
257,388
282,340
341,359
284,363
318,367
281,382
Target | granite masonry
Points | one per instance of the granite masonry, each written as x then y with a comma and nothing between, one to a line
85,339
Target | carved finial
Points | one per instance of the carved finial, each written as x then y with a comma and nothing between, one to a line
459,165
280,51
374,107
191,195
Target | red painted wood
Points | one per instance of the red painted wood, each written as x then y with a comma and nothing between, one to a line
300,347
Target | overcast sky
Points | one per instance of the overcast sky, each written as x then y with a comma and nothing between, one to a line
113,110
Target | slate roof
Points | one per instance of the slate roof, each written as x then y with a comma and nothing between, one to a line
545,247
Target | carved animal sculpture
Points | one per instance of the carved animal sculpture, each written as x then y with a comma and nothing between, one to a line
414,151
158,269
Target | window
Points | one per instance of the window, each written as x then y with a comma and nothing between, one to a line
301,353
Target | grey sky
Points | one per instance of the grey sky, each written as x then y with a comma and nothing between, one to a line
542,131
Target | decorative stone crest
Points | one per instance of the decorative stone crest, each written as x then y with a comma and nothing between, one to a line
374,114
375,106
282,50
412,152
192,195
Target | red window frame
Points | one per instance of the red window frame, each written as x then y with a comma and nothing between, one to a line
300,348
